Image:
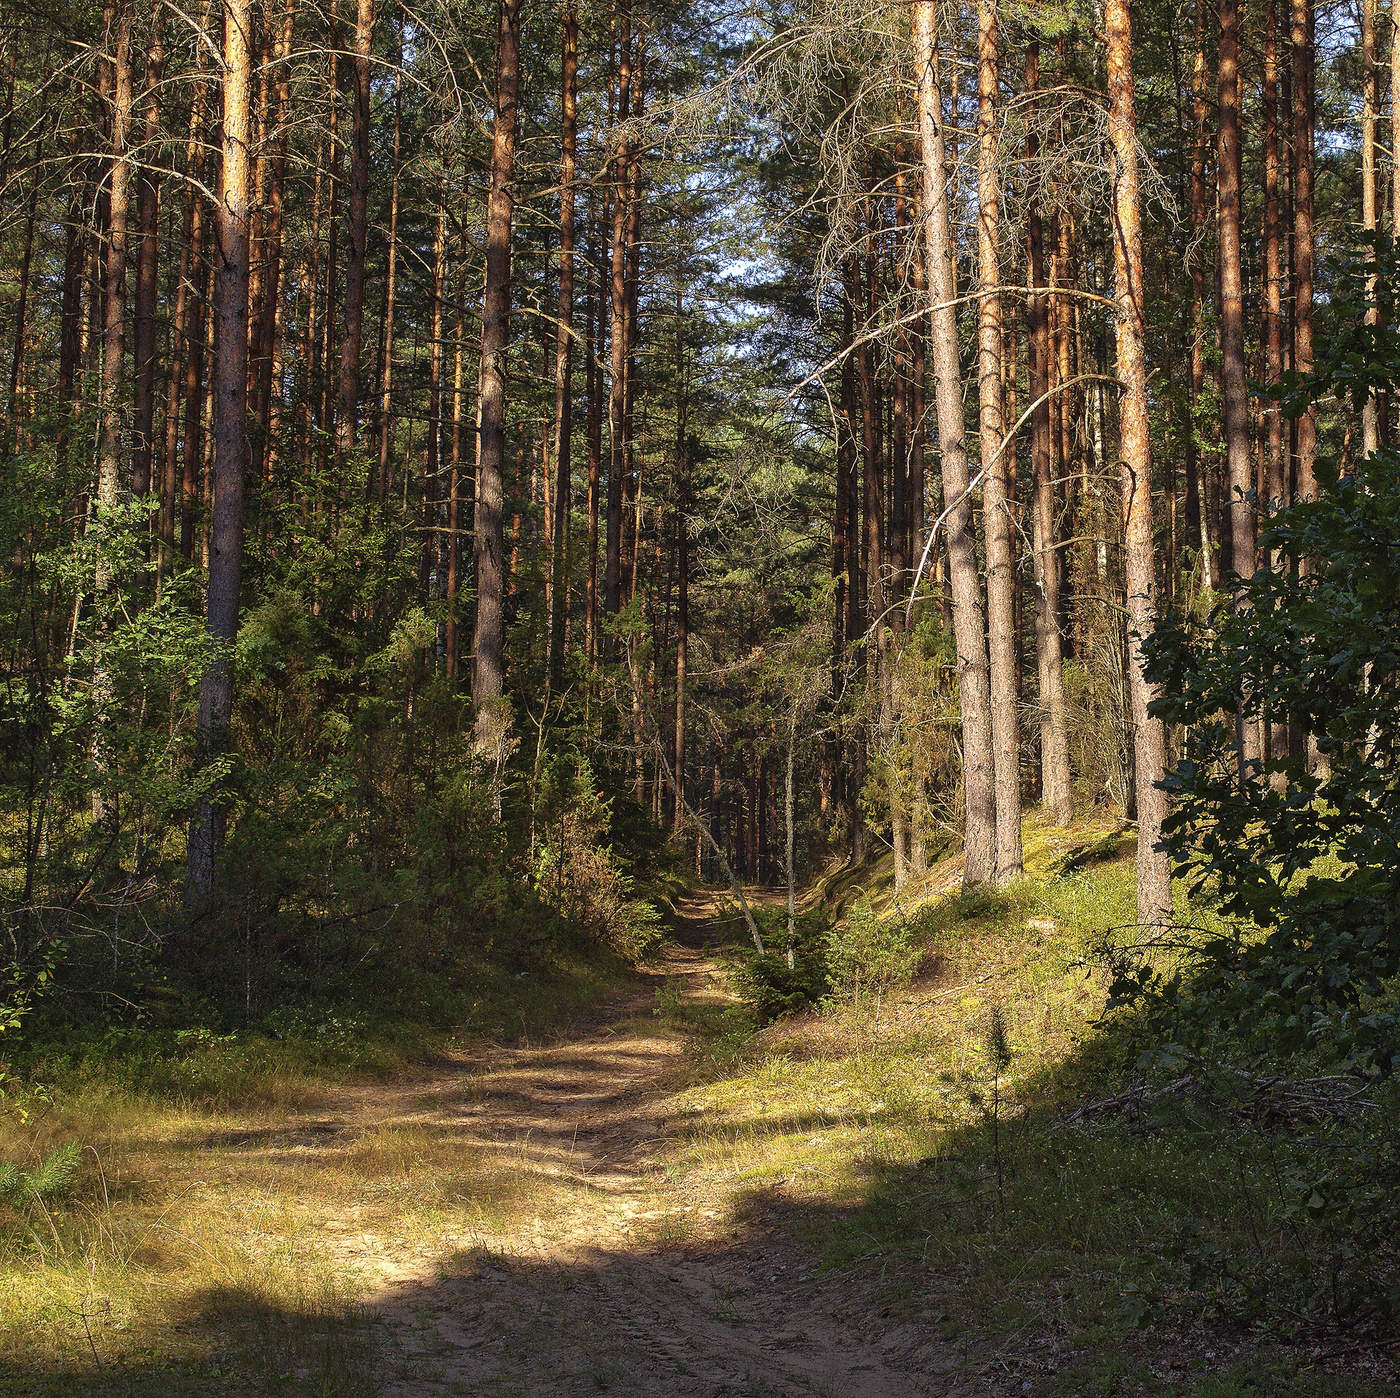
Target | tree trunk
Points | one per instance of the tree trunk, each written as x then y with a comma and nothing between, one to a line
1055,790
266,311
1197,465
1370,108
564,347
230,385
617,425
383,476
968,627
1305,479
147,250
1001,618
488,672
347,424
1276,441
117,81
1149,736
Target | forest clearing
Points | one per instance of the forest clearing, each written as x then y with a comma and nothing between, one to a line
700,699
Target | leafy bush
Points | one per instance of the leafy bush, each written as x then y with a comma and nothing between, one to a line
1303,855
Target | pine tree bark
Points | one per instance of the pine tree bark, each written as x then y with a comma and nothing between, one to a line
488,637
1370,109
1055,789
564,345
1276,440
1149,734
147,252
382,483
979,841
1234,389
1304,245
1199,473
347,424
117,25
617,386
996,507
230,386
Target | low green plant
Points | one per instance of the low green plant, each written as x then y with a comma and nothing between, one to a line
51,1179
869,955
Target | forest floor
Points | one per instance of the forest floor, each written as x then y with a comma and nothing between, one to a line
652,1201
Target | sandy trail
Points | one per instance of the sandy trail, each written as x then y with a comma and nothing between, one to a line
608,1290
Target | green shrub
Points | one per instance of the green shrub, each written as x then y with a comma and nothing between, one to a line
870,955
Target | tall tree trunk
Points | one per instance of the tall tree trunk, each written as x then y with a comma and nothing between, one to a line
1234,388
678,747
488,672
230,385
1276,441
1305,480
266,310
1001,598
358,227
969,631
1197,467
1055,790
117,25
382,483
564,346
1370,110
617,424
1149,735
147,250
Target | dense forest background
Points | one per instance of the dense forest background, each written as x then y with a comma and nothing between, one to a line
464,463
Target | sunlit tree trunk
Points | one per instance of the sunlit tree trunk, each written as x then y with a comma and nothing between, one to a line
117,23
1149,735
1001,616
1055,791
147,252
564,345
968,626
358,226
488,638
230,463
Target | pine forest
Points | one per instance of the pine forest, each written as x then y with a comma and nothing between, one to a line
700,700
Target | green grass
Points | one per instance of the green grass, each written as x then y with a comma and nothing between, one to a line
870,1130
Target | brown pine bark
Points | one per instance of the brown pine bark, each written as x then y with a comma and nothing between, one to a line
1276,440
1055,790
1149,735
488,638
347,422
1304,246
1234,388
996,509
265,309
1198,511
617,387
147,250
564,345
230,462
382,483
594,387
1370,109
979,843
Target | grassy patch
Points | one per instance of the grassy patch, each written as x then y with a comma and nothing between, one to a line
885,1127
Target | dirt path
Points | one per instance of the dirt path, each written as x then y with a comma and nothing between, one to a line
607,1274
